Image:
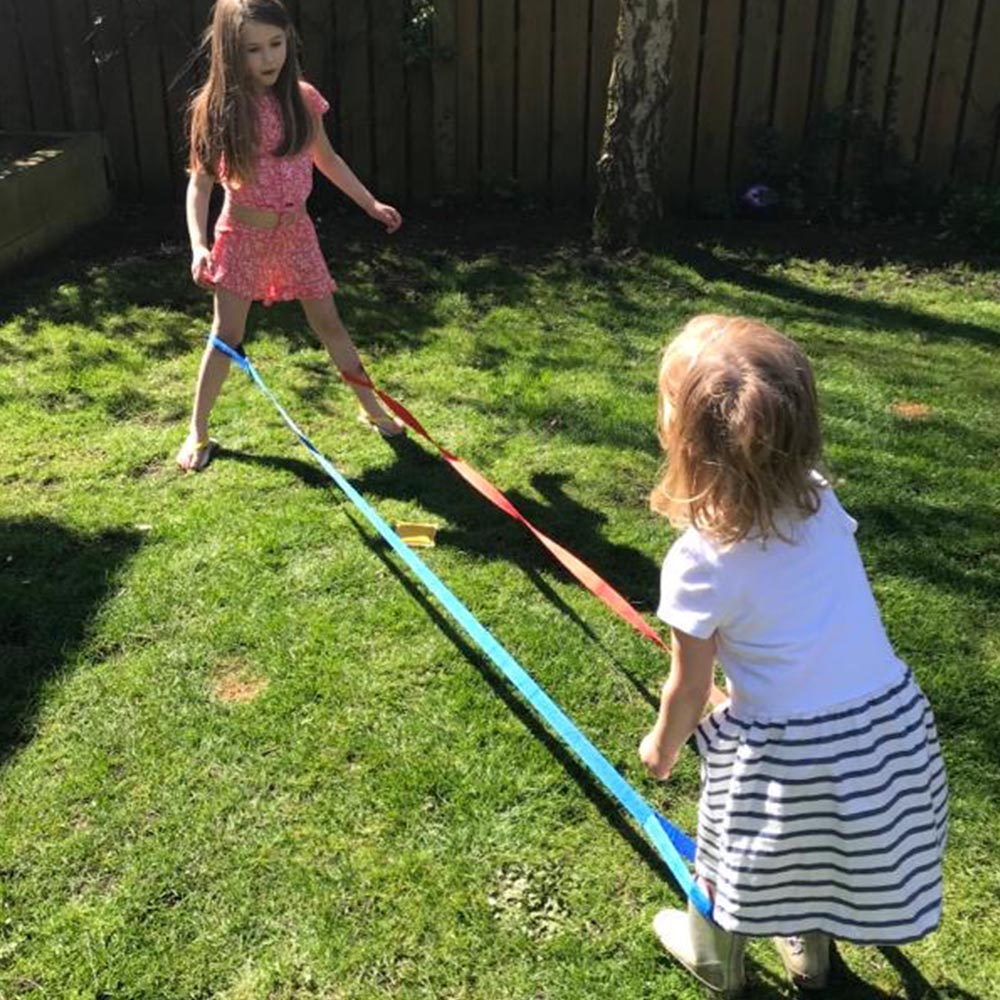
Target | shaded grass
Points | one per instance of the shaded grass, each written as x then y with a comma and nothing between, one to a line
375,815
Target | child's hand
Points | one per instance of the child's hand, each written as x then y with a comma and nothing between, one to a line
201,267
657,761
387,215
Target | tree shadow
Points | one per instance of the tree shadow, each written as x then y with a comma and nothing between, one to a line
942,547
913,247
951,553
837,309
476,526
95,286
53,580
392,288
580,775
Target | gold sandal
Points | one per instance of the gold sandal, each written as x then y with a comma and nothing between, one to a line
203,451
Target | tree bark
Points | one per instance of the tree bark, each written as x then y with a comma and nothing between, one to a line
630,170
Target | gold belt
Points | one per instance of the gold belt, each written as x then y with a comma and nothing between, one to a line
263,218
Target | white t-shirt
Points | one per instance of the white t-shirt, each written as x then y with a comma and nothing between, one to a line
797,626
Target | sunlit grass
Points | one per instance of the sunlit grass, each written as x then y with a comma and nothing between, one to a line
243,755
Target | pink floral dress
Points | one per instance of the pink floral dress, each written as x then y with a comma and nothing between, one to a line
272,265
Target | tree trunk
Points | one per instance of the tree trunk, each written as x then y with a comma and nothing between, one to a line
630,170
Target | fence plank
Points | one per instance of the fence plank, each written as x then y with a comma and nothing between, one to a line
569,98
113,87
795,63
909,84
420,136
753,108
534,95
878,40
493,96
15,101
201,17
174,30
148,111
41,67
467,37
683,85
982,113
831,79
316,29
839,17
71,29
389,96
715,107
602,46
444,79
944,102
497,126
353,97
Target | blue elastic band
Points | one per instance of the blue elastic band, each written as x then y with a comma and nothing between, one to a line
673,846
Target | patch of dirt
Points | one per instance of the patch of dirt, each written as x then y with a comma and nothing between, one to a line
911,411
530,898
233,682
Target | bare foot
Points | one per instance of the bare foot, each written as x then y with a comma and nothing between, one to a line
194,454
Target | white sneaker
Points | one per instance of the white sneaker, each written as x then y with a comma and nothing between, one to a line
806,958
713,956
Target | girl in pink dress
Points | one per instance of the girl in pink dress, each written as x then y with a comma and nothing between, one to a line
256,129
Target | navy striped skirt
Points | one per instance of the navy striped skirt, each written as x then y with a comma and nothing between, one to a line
833,822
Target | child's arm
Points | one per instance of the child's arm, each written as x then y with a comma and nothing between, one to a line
332,166
682,702
199,191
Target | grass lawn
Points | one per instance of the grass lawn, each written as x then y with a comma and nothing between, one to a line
243,756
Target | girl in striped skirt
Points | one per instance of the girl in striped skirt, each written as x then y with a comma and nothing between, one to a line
823,809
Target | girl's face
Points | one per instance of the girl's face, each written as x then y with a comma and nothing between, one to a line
265,48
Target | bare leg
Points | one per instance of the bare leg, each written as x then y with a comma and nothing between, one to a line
325,322
229,325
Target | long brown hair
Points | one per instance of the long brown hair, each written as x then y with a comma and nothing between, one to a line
222,114
739,426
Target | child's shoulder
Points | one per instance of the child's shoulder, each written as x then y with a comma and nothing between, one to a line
315,101
692,546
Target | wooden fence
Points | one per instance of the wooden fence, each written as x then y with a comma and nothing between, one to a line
508,95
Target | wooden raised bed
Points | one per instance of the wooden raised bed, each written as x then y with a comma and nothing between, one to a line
51,185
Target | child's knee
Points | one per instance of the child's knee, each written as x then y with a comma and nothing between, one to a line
233,338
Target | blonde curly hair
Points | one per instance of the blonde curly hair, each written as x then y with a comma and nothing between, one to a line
739,426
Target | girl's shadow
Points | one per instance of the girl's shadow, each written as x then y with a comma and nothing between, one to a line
473,524
53,580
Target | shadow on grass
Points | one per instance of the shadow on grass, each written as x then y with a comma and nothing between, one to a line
428,482
762,984
52,582
475,526
713,265
945,548
391,288
844,983
581,776
916,986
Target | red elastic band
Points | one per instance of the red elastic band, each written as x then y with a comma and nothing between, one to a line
599,587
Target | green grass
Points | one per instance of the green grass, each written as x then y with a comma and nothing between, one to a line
374,814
